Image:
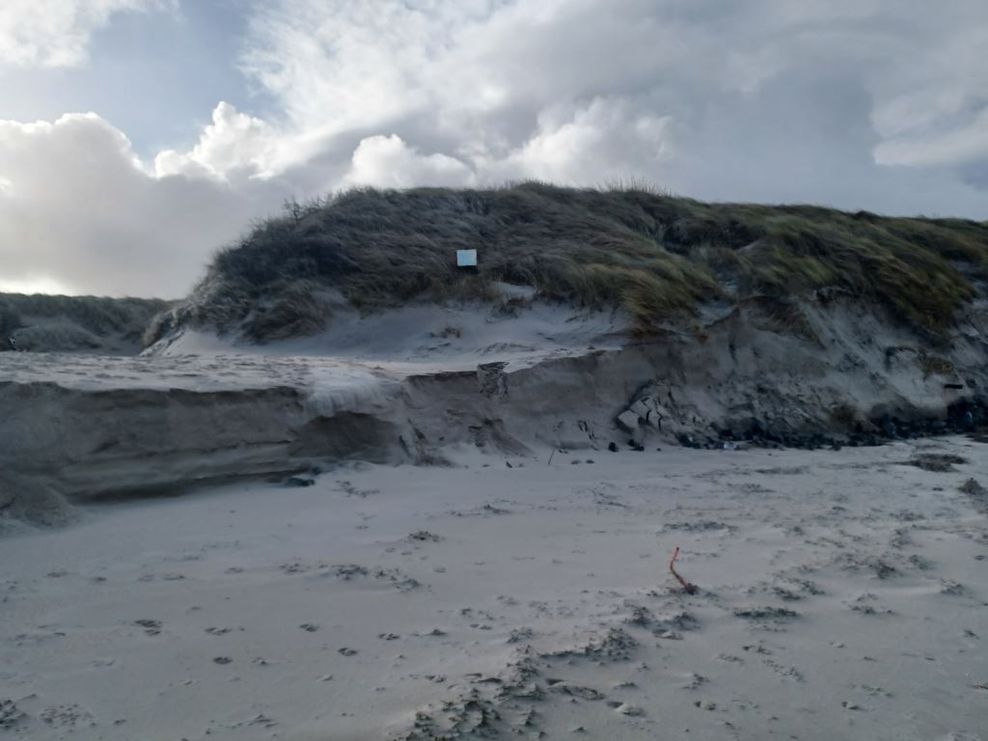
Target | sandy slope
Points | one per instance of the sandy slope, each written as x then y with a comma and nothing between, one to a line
843,595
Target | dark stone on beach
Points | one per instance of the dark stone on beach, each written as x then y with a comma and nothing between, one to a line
612,447
687,441
973,488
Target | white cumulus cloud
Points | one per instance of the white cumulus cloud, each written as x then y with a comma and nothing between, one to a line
233,144
79,209
388,162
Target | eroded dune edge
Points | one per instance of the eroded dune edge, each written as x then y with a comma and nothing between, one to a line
87,427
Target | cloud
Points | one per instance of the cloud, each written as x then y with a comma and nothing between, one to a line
874,104
56,33
336,65
388,162
586,91
601,142
234,144
79,209
963,144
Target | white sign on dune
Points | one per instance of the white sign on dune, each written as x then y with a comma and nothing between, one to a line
466,258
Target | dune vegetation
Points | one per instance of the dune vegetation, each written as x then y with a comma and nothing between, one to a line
656,256
76,323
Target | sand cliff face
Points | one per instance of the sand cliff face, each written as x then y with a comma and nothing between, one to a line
89,427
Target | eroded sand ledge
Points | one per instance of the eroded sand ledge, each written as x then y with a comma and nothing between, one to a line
90,427
842,595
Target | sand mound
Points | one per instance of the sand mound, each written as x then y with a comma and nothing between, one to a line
26,501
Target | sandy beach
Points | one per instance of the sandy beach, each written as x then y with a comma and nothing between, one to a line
423,370
841,594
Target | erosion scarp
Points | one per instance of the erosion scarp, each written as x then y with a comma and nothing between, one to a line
91,427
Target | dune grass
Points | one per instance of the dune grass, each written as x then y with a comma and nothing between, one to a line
45,322
656,256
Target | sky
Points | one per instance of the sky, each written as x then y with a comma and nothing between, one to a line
139,136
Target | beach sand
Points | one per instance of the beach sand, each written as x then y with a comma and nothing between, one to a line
841,595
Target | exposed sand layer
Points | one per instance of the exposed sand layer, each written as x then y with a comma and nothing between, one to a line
841,595
405,386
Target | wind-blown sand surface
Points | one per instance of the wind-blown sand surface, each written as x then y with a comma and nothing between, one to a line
843,595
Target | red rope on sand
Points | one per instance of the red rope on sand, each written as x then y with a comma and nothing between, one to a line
687,587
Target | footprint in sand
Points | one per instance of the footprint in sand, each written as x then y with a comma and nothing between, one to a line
151,627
